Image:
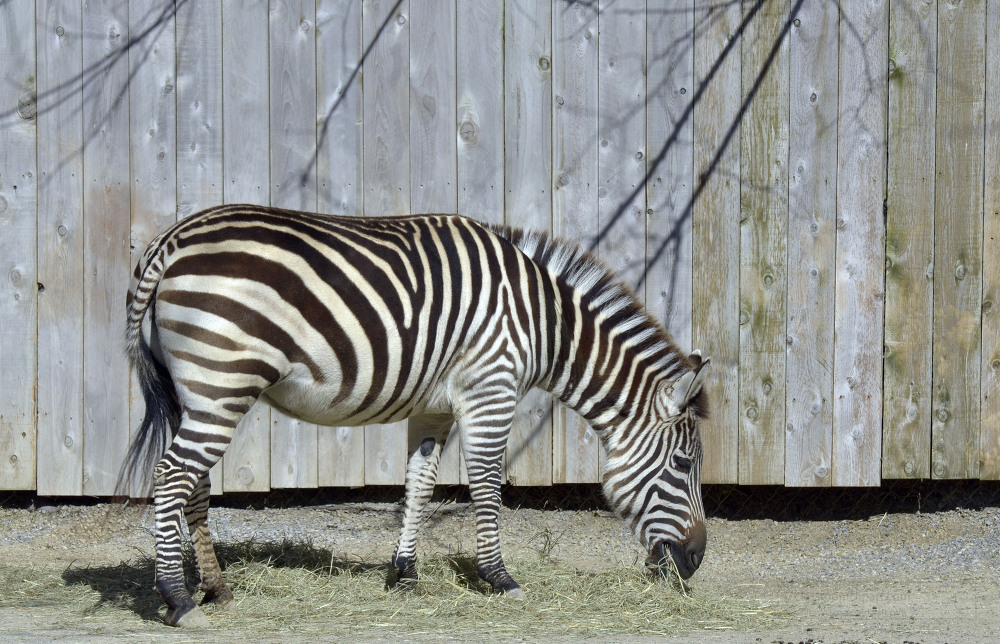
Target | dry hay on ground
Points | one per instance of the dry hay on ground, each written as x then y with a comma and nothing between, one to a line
295,587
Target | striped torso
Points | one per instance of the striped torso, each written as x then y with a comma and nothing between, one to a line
348,320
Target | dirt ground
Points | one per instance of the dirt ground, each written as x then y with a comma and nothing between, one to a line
896,578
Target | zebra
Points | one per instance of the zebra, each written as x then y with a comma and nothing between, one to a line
441,319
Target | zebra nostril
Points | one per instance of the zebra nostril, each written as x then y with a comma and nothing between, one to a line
696,559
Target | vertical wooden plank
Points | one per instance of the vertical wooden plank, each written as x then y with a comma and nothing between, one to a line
812,214
339,94
527,177
18,266
433,144
989,436
152,141
909,244
199,106
199,120
763,227
574,196
479,74
106,201
385,25
152,124
339,169
245,79
622,134
715,229
958,240
60,247
669,166
858,317
294,457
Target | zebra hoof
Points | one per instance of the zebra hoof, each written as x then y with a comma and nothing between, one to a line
193,618
514,592
218,598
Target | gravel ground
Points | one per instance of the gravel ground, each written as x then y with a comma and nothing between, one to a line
914,577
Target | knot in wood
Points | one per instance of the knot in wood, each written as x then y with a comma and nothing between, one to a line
467,131
245,475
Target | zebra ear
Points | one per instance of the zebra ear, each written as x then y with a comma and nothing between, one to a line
676,394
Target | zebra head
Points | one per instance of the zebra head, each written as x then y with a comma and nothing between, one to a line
654,478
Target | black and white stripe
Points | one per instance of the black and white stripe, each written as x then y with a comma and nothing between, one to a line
440,319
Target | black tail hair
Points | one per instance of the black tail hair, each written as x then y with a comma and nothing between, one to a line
158,427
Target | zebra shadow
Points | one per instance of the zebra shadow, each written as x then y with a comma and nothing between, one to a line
129,585
124,585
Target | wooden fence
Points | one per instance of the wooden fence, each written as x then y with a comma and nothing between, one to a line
802,189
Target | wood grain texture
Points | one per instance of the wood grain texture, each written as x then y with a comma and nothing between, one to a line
479,52
669,166
527,177
106,201
386,29
292,30
621,169
812,217
60,248
763,230
715,229
199,107
909,273
989,431
18,265
339,179
859,315
246,108
246,467
575,445
958,241
433,144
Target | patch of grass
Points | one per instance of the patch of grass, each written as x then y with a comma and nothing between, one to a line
295,587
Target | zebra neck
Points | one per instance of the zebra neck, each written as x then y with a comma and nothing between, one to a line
604,356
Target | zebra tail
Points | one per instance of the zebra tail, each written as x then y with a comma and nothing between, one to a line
162,417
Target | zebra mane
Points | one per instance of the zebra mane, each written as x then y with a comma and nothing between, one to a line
585,271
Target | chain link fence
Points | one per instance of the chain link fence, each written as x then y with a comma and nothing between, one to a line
732,502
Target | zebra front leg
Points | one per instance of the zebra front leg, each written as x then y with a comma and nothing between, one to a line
426,440
217,593
173,487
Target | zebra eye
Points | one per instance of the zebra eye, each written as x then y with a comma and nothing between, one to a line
682,463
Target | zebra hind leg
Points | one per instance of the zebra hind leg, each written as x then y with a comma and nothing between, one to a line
421,474
174,485
217,593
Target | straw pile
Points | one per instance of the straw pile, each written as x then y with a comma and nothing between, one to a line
294,587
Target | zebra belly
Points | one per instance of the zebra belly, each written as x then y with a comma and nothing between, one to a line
303,397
